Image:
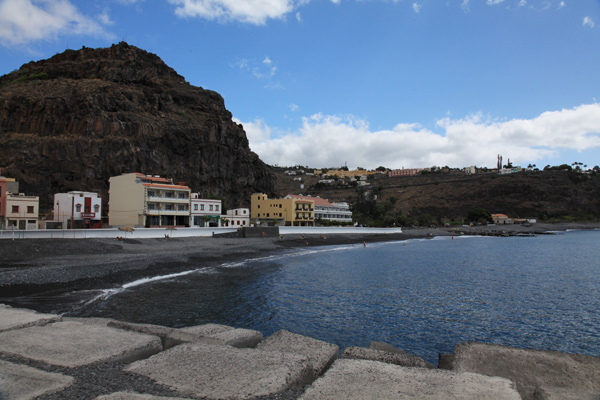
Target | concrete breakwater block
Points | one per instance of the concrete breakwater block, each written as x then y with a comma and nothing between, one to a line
529,368
72,344
224,372
236,337
320,354
135,396
555,393
402,359
16,318
23,382
372,380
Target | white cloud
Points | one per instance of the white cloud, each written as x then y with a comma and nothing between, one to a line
465,5
248,11
588,21
522,3
327,141
416,7
492,2
24,21
561,5
294,107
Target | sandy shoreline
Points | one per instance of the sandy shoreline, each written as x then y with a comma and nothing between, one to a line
57,265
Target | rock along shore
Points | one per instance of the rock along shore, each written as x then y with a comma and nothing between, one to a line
48,357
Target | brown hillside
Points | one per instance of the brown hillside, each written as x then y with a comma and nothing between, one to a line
538,194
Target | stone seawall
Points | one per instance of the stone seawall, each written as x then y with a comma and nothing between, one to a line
46,356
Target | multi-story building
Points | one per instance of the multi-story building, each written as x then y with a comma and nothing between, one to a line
149,201
291,212
238,217
403,172
205,212
21,212
78,210
326,210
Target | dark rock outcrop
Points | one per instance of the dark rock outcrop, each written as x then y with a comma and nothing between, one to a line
72,121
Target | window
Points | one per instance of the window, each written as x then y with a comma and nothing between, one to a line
78,208
151,207
211,208
30,210
180,207
195,207
96,208
181,195
151,193
15,209
169,195
169,207
217,208
236,212
201,207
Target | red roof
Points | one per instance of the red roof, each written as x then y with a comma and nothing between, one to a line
318,201
166,186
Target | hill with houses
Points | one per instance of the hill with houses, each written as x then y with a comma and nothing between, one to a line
448,195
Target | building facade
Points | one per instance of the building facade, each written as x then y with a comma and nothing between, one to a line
238,217
326,210
290,212
404,172
147,201
21,212
205,212
78,210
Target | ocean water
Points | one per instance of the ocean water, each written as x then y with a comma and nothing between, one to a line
423,296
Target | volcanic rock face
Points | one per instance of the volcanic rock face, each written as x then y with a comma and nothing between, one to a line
74,120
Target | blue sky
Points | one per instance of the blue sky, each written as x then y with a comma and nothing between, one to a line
365,83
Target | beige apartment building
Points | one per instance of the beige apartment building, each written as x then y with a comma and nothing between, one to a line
147,201
21,212
291,211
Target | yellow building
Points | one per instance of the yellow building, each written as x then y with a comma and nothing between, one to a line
291,212
147,201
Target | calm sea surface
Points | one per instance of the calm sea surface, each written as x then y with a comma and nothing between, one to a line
423,296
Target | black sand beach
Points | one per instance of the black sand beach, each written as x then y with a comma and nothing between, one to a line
33,266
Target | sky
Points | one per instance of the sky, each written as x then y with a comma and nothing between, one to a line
361,83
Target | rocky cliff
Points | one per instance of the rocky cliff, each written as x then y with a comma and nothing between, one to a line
72,121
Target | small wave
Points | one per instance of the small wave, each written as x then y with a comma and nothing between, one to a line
106,293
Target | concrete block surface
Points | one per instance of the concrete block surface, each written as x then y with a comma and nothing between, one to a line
236,337
73,344
529,368
320,354
224,372
21,382
16,318
135,396
403,359
372,380
386,347
554,393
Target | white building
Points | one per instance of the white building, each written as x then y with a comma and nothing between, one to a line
325,210
238,217
78,210
205,212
